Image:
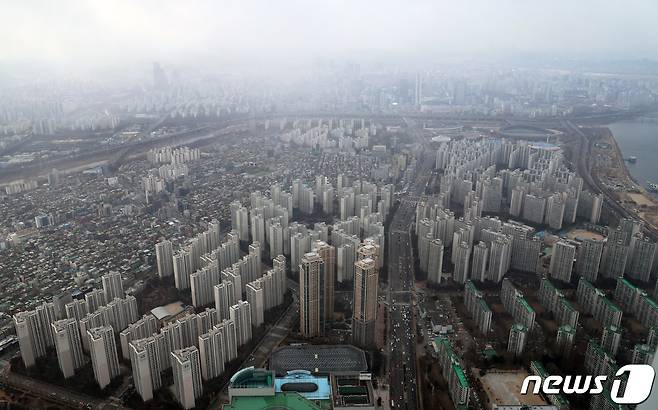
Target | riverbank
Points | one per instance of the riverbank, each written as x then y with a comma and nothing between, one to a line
639,138
610,169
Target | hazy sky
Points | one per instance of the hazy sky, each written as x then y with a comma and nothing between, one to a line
110,32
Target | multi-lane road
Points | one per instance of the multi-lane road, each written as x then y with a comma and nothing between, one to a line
51,393
400,294
402,334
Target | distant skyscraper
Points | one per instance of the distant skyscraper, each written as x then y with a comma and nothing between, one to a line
311,269
500,256
201,284
46,314
103,351
611,338
435,261
257,228
59,301
562,261
517,338
345,256
588,259
566,336
240,314
94,300
140,329
240,220
613,261
160,81
364,311
369,249
256,299
643,354
224,299
113,286
182,269
516,203
31,336
78,309
555,211
479,265
328,279
187,376
230,275
641,260
461,261
418,91
146,358
477,307
299,244
275,237
163,255
534,208
68,345
229,337
306,200
211,352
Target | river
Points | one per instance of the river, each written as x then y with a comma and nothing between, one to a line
640,139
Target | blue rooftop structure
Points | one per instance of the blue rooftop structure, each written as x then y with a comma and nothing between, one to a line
306,384
545,146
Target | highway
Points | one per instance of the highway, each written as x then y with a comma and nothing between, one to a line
402,333
116,154
400,293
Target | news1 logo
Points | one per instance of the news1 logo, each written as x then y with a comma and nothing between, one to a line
637,390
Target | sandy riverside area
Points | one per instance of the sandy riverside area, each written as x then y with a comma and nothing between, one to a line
641,202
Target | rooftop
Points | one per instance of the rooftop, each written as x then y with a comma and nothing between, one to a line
283,401
351,390
463,381
251,377
163,312
446,343
305,384
627,283
519,327
318,359
643,348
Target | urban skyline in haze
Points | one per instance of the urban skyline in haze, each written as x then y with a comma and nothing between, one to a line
372,204
83,36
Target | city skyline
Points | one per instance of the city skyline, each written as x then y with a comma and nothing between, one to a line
89,37
380,205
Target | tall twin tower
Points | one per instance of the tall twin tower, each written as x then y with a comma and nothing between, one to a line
317,277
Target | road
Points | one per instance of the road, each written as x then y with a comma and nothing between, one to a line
53,393
115,155
401,283
402,334
274,336
276,333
